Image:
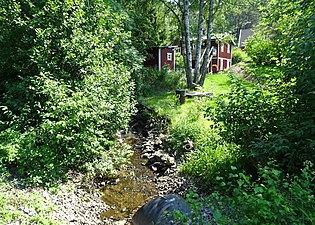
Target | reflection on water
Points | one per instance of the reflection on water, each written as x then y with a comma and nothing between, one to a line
132,191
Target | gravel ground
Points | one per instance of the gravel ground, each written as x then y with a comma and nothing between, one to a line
81,202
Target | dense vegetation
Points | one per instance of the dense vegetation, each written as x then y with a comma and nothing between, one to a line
66,86
70,73
258,156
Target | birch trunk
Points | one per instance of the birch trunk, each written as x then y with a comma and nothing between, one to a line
199,41
205,63
187,43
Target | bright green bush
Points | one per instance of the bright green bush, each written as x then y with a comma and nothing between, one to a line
261,122
243,115
77,127
67,84
262,50
273,199
149,81
240,56
211,160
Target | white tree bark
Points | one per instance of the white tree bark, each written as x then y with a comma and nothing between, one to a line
204,68
199,40
187,43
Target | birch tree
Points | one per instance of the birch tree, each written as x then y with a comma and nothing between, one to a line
206,59
199,40
187,43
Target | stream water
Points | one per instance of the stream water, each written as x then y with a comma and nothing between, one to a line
133,190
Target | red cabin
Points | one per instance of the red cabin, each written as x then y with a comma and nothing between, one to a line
161,57
221,54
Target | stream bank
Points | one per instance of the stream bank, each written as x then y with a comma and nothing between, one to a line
152,172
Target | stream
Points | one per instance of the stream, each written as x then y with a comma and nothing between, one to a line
151,173
132,190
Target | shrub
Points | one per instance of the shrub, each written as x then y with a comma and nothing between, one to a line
77,127
149,81
273,199
259,121
262,50
211,160
240,56
69,89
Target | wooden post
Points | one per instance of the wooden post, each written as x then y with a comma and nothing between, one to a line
182,95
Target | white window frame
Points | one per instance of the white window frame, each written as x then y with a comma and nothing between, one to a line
215,52
221,64
222,47
228,48
169,56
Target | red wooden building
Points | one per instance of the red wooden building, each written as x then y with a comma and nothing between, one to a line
160,57
220,56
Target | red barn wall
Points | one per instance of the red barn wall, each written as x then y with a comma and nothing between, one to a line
224,53
164,59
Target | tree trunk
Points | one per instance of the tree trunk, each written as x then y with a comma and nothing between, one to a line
199,41
206,58
188,55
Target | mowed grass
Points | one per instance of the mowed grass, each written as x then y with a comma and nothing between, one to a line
167,103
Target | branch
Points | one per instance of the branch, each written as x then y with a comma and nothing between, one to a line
172,10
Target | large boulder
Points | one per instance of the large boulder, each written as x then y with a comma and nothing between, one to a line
161,211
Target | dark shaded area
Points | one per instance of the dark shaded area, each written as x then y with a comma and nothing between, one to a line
161,210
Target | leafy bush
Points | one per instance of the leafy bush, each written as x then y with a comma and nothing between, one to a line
67,84
273,199
260,121
77,127
244,115
239,56
262,50
211,160
149,81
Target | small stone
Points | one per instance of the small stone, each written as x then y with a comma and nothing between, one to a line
121,222
45,194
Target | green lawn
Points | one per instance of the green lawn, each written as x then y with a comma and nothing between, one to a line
166,103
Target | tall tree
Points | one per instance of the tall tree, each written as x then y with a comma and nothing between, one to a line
199,40
187,43
206,59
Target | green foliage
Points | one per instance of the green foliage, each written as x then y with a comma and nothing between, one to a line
273,199
110,162
150,22
285,36
262,50
244,115
27,208
263,122
67,85
211,160
151,81
239,56
265,76
10,141
236,14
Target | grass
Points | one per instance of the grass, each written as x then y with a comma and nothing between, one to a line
167,103
21,206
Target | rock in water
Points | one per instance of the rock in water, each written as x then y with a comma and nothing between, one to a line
161,210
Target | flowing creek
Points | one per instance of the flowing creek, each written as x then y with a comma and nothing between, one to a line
139,184
132,190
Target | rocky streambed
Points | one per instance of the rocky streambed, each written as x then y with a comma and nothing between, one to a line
152,172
